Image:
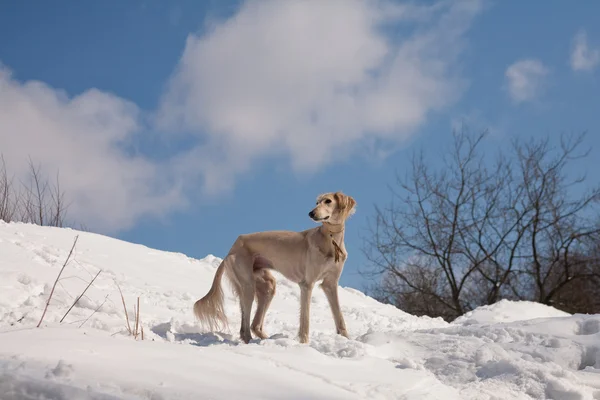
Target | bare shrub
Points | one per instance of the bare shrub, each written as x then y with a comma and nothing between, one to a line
34,200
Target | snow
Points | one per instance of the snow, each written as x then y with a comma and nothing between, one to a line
509,311
509,350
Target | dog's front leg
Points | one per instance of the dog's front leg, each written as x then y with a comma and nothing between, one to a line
305,296
330,287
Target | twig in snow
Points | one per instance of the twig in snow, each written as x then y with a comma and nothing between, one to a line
99,307
80,296
56,281
83,267
19,320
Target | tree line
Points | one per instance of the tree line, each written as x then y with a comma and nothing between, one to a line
520,225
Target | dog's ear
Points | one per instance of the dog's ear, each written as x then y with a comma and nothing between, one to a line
345,203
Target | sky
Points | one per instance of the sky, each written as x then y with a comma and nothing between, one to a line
180,125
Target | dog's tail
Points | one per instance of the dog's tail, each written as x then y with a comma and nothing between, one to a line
209,309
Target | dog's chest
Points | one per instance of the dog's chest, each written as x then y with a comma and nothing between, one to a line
326,258
327,251
322,258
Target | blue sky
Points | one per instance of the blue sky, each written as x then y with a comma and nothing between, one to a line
182,124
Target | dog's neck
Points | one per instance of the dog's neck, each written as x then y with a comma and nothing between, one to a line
332,229
336,233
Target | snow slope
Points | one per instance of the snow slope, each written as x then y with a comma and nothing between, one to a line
505,351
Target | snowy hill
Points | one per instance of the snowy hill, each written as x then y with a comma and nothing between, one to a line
505,351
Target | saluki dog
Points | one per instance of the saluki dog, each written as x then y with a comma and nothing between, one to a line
303,257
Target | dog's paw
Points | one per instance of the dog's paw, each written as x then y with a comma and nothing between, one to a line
303,338
260,334
246,337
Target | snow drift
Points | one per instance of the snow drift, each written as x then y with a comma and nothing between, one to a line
509,350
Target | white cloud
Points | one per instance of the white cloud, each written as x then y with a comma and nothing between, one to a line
525,79
84,138
583,58
311,82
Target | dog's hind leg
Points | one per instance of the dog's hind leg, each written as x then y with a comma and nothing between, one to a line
246,299
265,290
244,276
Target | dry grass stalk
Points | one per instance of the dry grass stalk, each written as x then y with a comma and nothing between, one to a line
80,296
99,307
136,332
56,281
138,329
137,317
124,309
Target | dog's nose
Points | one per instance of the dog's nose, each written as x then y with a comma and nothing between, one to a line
311,214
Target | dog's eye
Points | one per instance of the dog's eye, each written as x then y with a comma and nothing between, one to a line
327,201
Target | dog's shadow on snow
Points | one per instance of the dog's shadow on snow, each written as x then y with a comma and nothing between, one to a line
205,339
165,331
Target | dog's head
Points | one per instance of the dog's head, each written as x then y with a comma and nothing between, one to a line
334,208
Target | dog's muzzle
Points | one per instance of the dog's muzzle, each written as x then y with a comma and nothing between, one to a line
314,217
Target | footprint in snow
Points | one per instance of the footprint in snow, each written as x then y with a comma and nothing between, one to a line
62,370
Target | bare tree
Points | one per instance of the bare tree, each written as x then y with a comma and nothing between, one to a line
35,204
561,222
422,241
35,200
477,230
8,198
43,203
58,204
580,294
